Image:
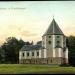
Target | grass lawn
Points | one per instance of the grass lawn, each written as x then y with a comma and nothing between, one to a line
34,69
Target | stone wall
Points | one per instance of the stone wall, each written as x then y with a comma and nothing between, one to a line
56,60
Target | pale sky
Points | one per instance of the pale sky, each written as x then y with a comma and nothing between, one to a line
30,19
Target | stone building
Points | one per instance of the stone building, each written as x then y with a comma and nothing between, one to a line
53,49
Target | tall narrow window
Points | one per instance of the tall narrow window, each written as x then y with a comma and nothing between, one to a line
32,53
27,53
37,53
23,54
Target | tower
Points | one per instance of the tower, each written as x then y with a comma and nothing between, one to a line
54,42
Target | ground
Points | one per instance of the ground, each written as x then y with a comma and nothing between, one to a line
36,69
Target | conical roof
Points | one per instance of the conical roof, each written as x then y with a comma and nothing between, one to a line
53,29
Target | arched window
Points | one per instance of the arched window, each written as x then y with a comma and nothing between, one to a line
49,42
49,36
51,60
58,42
57,36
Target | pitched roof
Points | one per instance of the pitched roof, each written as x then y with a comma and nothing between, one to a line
53,29
31,47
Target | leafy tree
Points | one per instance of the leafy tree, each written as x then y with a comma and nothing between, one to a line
21,43
11,49
1,55
71,46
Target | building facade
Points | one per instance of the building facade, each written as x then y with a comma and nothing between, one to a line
53,49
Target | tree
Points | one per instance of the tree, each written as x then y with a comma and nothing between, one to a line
1,55
71,46
11,49
21,43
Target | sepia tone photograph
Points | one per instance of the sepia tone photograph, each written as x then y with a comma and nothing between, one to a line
37,37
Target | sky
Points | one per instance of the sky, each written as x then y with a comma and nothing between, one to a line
28,20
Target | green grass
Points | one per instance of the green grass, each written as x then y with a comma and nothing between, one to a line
38,69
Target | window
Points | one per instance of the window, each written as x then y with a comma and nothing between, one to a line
27,53
23,54
32,53
51,60
49,36
37,53
58,41
49,42
57,36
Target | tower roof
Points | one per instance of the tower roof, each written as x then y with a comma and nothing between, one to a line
53,29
